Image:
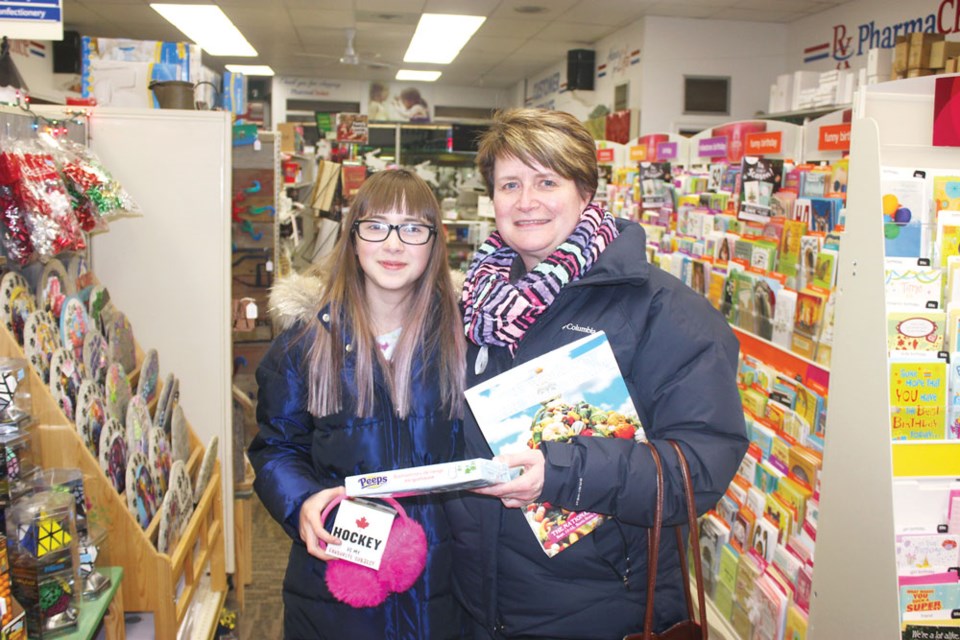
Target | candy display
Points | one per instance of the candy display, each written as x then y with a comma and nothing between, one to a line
43,555
14,391
18,463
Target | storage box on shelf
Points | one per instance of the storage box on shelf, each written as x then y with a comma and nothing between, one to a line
164,584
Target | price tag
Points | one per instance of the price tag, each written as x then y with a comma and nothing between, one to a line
269,266
251,311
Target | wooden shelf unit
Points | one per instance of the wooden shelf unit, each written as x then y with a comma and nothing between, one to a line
164,584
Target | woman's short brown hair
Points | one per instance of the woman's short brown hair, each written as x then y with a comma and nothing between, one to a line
552,139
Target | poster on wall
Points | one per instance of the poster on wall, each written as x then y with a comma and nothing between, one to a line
389,103
352,127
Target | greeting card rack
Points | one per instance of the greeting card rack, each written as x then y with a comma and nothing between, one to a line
167,585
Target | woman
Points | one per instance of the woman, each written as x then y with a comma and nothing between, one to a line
556,268
368,377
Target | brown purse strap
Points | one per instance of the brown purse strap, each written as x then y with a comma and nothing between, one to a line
694,542
653,545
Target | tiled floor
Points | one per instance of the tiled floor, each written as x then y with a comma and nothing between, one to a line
262,616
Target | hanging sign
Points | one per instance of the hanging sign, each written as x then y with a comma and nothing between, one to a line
638,153
764,143
605,155
667,151
32,19
834,137
712,147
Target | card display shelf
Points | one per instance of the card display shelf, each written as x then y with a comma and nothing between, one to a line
161,583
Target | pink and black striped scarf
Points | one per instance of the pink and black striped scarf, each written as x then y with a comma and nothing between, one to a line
498,312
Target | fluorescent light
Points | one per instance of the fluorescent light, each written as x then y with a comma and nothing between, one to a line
250,69
422,76
208,26
439,37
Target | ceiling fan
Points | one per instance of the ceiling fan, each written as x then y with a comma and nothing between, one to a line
350,56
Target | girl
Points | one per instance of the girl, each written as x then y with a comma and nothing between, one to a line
367,376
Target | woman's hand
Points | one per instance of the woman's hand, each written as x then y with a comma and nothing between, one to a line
523,490
311,525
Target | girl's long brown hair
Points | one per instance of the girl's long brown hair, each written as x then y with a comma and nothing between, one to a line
432,328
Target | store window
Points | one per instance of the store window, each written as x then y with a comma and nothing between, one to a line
706,95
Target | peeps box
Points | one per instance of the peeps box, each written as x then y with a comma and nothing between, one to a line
431,478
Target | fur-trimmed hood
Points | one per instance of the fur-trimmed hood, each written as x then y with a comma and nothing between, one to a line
295,298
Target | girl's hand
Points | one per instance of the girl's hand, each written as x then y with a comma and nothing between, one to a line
524,489
311,526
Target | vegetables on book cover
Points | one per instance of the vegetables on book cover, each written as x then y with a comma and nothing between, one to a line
576,390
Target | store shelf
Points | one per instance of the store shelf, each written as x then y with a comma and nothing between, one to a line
718,625
926,458
802,115
780,357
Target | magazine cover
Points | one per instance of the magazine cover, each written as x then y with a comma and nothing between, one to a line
575,390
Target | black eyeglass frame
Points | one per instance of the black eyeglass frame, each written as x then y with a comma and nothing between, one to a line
431,231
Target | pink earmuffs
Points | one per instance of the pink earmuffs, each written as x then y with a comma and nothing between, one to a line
404,558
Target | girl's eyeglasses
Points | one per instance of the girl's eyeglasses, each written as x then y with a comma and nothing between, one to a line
408,232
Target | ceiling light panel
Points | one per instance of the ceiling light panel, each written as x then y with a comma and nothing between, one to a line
439,37
209,27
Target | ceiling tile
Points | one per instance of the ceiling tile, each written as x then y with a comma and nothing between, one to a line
463,7
552,9
502,46
673,10
502,27
326,18
259,16
758,15
581,33
390,6
608,12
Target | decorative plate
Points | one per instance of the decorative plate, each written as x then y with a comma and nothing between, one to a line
206,468
65,381
169,515
173,401
98,300
160,459
149,372
181,485
22,305
12,280
77,268
179,438
91,416
113,454
138,425
95,361
39,343
141,495
117,392
120,341
53,288
85,395
74,325
162,401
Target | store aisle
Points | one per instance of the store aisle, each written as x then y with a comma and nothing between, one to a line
262,616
